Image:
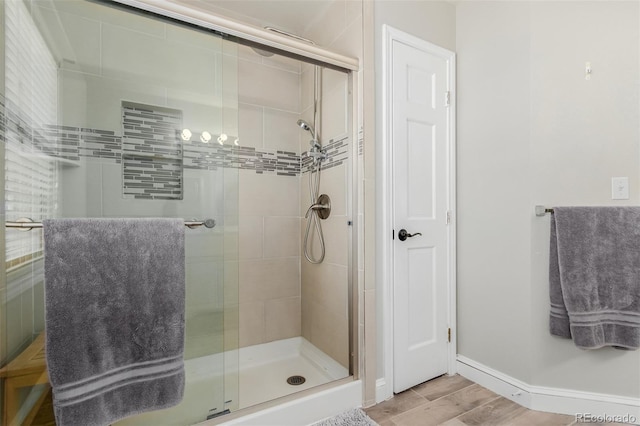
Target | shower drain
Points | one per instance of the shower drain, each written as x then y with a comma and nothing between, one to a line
296,380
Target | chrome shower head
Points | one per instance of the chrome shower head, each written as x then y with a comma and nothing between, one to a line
315,145
308,127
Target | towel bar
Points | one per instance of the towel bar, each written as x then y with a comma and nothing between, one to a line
542,210
26,224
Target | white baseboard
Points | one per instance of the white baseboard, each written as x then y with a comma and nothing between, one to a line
383,390
553,400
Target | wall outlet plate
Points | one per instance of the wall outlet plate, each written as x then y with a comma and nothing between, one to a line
619,188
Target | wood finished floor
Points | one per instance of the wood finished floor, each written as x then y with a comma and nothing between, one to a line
447,400
456,401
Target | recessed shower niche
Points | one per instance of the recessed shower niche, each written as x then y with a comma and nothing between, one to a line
151,152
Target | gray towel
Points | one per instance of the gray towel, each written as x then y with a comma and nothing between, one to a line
114,296
594,276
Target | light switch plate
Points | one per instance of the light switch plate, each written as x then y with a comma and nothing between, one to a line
619,188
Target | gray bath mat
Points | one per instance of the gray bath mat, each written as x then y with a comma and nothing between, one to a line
355,417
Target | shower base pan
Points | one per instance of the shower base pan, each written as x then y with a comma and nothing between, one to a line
263,373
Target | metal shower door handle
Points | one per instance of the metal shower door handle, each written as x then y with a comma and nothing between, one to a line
403,234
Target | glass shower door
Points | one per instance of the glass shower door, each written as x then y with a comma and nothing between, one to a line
110,113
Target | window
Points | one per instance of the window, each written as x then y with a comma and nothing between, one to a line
30,105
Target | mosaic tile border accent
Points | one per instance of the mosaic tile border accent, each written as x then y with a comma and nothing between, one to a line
85,144
74,143
16,130
209,156
100,144
337,152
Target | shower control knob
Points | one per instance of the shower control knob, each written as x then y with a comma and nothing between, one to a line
403,234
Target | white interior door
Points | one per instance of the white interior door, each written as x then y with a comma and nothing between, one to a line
419,96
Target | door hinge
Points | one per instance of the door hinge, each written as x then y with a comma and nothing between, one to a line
447,98
448,217
449,335
393,234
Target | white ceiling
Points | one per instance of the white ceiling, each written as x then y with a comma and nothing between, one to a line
293,16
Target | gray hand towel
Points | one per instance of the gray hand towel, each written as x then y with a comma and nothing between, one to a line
114,296
594,276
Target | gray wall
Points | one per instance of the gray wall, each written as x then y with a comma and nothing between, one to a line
532,130
494,208
433,21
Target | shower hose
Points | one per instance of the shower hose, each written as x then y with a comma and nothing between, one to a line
313,218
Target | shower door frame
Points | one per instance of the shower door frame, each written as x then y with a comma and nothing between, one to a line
59,163
353,242
323,57
351,67
270,39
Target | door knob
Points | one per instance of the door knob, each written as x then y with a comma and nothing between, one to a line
403,234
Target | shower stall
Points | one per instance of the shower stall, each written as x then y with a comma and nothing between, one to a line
108,111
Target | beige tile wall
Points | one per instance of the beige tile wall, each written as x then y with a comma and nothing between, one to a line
280,296
347,28
325,313
269,205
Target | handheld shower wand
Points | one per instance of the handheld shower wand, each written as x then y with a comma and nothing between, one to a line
320,205
308,127
315,145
